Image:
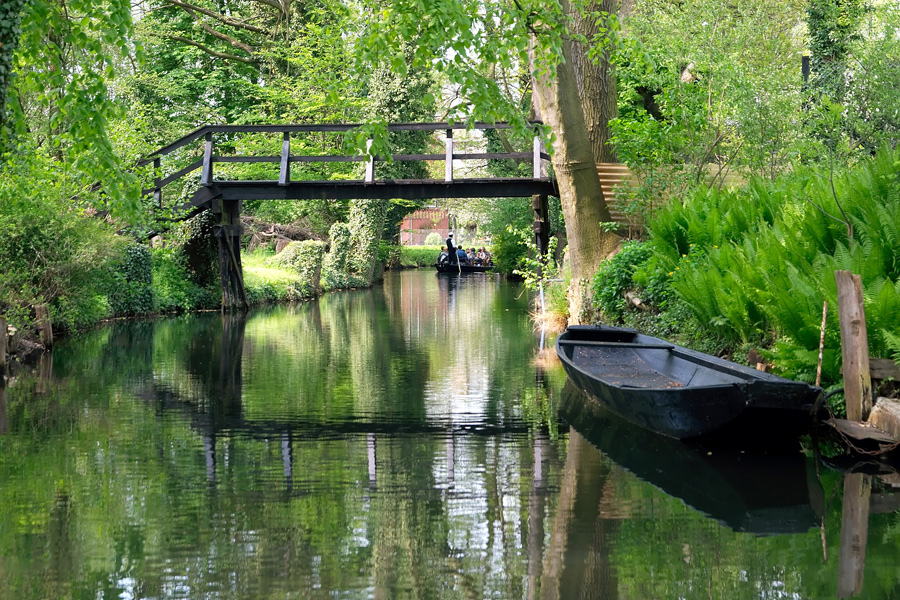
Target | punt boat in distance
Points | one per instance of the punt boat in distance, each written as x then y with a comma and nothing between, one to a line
444,265
682,393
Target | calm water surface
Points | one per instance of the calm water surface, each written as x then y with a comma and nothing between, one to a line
400,442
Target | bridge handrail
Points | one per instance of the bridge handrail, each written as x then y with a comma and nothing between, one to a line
326,128
206,132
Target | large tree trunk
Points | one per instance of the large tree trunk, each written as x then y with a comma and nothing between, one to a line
596,82
583,205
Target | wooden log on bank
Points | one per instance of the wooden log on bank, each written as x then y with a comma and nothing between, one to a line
854,346
886,416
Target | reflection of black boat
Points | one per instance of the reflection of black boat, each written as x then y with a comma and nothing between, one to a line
444,265
762,494
679,392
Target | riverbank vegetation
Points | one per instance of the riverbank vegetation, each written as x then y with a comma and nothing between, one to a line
751,268
732,153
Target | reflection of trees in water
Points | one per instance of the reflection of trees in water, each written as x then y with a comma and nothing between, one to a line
291,454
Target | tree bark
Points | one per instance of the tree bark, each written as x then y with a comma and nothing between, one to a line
583,204
596,81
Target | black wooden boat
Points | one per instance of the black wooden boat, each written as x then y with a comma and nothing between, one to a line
678,392
444,265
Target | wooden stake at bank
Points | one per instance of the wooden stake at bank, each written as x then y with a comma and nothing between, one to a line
3,334
42,314
854,346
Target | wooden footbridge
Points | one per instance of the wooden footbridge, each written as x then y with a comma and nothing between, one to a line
211,146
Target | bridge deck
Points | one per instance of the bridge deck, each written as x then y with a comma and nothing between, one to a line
410,189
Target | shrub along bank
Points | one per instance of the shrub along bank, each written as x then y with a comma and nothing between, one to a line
56,255
752,267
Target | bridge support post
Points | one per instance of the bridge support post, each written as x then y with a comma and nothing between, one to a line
541,226
228,233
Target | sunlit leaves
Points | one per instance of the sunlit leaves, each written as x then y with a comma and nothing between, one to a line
66,60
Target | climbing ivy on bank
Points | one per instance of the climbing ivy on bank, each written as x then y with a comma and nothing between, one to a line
365,225
10,30
131,291
833,27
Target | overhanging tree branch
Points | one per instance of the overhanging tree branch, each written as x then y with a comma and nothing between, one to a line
207,49
218,17
216,33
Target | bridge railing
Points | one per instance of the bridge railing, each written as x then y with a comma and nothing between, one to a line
225,134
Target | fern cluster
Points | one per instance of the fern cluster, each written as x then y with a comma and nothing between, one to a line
760,261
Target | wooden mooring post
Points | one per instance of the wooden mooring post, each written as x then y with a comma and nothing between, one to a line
3,348
854,346
45,327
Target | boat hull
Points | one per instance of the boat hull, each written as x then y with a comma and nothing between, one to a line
448,268
679,392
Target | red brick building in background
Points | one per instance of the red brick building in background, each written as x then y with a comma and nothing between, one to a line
416,226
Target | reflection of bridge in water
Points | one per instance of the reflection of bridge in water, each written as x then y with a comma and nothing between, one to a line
221,413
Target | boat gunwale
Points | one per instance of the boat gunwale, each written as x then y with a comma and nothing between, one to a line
716,364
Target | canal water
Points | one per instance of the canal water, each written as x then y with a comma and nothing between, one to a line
399,442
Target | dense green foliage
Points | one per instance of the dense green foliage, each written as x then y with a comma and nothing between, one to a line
131,291
305,259
419,256
707,89
175,284
754,266
50,251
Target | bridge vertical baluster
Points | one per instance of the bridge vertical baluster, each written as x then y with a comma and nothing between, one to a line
206,174
370,163
157,188
536,162
448,160
284,175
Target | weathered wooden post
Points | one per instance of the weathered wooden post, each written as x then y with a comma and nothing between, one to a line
540,204
206,173
854,346
284,171
228,233
448,157
157,182
3,334
370,162
854,534
541,225
45,327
